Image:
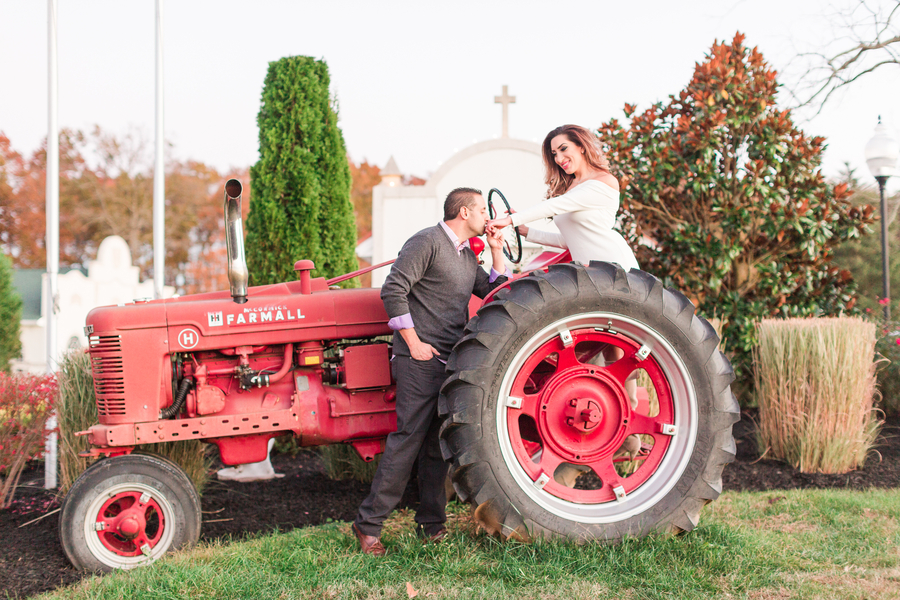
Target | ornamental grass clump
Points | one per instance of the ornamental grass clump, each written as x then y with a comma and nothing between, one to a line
815,382
26,402
77,411
342,462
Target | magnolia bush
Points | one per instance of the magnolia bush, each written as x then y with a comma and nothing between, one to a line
723,199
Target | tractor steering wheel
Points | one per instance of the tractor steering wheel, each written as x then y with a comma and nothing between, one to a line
512,240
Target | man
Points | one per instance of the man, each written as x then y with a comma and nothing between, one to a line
426,297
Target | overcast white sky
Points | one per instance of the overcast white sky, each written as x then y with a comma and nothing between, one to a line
415,80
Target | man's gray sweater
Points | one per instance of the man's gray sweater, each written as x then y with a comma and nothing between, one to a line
433,283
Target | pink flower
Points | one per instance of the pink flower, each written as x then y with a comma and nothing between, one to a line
884,301
898,341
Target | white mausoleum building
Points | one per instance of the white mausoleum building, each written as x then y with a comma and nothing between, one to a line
512,166
111,279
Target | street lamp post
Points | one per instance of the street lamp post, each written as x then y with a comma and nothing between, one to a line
882,152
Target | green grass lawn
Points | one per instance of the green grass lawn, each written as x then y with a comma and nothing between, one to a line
773,545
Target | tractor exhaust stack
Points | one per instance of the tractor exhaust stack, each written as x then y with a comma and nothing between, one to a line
238,275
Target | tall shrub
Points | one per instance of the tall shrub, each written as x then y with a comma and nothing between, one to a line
863,256
76,408
10,317
301,184
723,199
815,381
887,348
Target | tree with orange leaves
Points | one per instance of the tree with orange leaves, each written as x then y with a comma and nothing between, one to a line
723,199
113,196
364,177
10,169
205,269
22,203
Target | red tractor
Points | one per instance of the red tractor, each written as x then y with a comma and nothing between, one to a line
537,420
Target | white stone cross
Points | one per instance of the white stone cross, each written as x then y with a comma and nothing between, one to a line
505,100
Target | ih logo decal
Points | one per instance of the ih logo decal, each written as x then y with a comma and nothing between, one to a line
215,319
188,338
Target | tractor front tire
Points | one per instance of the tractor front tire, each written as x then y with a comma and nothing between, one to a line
128,511
536,426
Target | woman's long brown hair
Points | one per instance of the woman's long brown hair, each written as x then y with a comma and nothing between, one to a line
557,180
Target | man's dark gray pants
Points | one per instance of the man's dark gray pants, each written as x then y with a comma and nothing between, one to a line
418,424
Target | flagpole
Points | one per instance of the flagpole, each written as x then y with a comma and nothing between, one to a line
51,299
159,175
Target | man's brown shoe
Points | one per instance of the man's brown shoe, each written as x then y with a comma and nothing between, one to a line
369,544
434,538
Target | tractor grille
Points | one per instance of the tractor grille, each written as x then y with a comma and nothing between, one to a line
109,374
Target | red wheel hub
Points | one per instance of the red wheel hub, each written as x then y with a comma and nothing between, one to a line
570,411
584,414
129,527
130,523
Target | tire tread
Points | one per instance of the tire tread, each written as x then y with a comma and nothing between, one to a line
463,396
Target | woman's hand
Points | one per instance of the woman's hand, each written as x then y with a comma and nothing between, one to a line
504,222
499,223
522,229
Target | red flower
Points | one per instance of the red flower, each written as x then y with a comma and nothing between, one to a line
884,301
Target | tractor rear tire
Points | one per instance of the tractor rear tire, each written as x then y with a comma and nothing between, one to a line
128,511
525,402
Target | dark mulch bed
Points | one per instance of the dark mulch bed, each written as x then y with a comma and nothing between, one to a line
32,561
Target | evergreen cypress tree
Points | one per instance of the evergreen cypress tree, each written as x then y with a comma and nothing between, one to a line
10,316
301,184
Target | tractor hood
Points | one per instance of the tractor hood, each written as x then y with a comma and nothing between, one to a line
272,314
279,313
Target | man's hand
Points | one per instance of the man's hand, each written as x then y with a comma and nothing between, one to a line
418,349
494,238
495,241
423,351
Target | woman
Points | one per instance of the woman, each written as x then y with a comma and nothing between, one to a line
583,199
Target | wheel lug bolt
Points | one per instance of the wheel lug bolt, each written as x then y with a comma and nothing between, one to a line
573,402
570,421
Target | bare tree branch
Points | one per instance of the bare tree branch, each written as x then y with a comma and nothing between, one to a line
866,37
